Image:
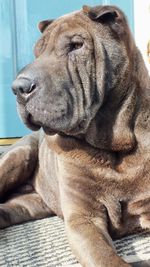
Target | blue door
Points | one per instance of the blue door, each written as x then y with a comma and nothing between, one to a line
18,31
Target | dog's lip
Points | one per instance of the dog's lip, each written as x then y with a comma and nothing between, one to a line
37,125
32,125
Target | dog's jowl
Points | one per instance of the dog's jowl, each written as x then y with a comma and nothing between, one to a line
89,91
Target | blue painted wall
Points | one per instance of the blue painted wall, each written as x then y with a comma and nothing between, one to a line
18,31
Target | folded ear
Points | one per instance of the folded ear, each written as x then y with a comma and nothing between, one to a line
44,24
109,15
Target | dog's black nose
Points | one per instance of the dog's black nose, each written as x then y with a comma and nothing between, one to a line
23,86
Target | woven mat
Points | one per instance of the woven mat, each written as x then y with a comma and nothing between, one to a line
43,243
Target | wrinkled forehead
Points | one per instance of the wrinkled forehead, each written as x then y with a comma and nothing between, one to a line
63,29
69,23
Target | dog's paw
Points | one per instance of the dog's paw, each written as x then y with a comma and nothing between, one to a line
145,220
5,219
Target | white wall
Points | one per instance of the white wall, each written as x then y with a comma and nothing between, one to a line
142,26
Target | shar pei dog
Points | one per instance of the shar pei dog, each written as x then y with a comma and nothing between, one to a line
89,91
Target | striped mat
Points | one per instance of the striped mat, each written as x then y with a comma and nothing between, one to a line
43,243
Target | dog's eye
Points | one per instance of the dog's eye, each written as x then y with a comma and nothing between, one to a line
75,46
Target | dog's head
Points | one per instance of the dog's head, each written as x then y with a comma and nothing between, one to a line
81,58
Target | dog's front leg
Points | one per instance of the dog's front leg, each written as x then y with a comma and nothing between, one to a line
91,243
86,220
18,163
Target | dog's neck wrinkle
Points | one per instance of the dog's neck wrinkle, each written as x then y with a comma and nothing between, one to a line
112,128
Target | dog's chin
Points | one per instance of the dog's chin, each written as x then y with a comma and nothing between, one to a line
78,130
49,131
70,130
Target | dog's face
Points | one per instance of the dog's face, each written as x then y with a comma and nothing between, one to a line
78,61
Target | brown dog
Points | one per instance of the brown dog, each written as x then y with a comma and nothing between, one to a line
89,91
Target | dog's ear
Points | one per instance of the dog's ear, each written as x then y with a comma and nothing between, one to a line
110,15
44,24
